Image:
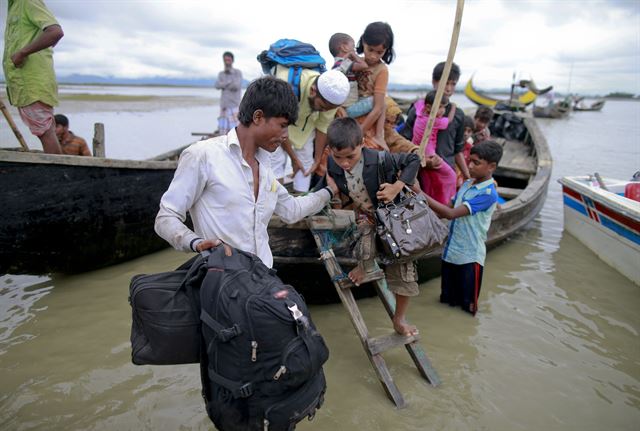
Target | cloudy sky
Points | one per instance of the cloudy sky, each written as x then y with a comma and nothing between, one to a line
586,46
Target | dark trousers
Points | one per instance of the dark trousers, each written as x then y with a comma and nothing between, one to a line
461,285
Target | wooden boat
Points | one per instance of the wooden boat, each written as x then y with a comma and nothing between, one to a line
554,110
522,175
595,106
72,214
604,220
514,103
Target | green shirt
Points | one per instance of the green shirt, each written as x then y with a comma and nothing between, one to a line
308,120
35,80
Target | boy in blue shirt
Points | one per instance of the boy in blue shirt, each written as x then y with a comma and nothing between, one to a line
470,215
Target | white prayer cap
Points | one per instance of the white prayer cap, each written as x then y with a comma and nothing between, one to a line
333,85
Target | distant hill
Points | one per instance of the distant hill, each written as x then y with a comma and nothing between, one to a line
102,80
188,82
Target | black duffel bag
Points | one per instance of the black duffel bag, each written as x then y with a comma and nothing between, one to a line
165,327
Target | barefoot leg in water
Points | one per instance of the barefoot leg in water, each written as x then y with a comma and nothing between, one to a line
400,324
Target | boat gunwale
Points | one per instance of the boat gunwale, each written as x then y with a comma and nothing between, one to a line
607,198
69,160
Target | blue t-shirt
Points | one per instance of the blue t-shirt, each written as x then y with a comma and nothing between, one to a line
468,234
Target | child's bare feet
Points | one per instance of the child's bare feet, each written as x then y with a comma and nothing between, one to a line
356,275
404,328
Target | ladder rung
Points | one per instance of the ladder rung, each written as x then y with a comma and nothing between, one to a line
383,343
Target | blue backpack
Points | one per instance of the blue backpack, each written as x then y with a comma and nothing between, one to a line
296,56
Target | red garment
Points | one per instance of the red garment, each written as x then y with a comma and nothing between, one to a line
439,183
466,152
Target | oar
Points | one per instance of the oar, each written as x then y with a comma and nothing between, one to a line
13,126
443,79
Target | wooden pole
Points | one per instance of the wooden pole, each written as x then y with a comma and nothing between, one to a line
98,140
443,79
13,126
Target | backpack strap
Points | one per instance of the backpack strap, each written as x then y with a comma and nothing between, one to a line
237,389
295,74
222,333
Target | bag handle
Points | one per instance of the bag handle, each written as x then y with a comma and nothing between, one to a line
382,178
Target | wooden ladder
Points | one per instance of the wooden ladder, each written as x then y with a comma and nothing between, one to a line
373,346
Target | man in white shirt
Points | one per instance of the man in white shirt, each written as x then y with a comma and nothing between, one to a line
227,185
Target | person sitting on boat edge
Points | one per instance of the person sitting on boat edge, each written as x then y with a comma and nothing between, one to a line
69,143
470,214
450,144
355,170
227,185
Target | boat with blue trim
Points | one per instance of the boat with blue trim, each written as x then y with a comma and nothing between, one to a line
604,214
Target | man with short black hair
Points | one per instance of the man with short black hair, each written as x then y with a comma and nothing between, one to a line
227,185
71,144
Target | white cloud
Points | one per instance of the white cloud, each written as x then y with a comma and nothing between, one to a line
596,42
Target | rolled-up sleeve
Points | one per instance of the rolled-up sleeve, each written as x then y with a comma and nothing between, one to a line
292,209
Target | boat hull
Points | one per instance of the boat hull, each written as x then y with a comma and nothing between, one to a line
73,214
608,224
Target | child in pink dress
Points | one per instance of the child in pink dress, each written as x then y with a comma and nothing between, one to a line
438,180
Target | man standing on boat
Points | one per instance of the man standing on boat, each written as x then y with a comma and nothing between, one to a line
31,33
227,185
230,85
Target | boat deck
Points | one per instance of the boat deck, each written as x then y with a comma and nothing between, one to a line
517,157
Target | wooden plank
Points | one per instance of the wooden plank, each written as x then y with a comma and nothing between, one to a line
517,157
417,353
349,302
336,220
374,346
387,381
508,192
383,343
98,140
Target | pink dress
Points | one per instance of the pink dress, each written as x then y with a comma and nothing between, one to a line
438,183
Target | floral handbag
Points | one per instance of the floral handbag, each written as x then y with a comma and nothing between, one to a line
407,228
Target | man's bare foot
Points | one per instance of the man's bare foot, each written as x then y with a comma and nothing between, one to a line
403,328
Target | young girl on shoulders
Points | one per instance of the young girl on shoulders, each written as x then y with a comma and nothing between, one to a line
437,181
376,43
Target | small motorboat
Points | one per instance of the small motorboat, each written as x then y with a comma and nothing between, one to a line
604,214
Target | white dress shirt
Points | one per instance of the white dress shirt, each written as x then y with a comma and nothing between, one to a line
215,184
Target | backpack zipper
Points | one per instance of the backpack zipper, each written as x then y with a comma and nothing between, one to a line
254,342
290,348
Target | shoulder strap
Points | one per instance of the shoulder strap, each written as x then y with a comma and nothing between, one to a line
295,74
381,168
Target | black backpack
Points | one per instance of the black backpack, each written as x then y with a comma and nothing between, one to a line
261,359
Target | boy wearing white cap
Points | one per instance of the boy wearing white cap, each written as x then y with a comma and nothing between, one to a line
320,95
